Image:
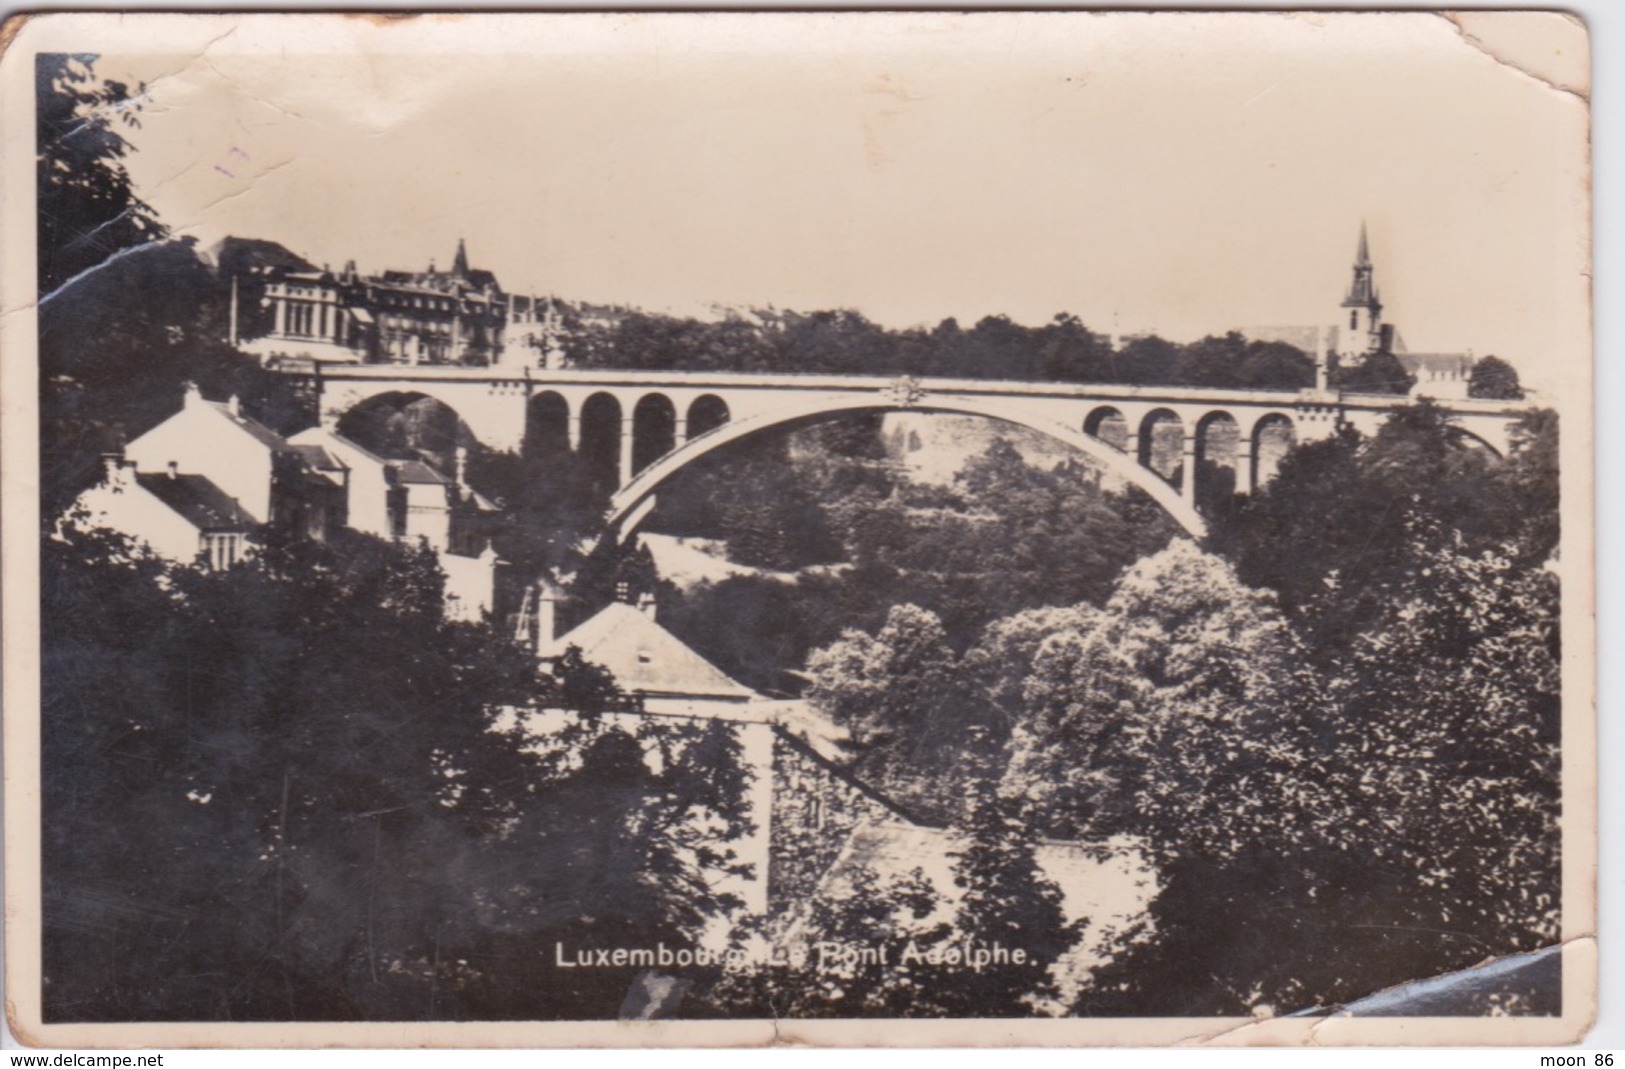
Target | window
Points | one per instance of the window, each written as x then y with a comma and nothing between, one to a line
1354,320
222,549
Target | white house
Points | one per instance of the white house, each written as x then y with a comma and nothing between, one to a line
650,661
214,439
410,501
181,517
369,481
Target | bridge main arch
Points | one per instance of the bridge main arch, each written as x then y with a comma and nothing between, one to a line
633,502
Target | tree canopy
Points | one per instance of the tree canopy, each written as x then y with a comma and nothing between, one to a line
88,211
1494,379
313,826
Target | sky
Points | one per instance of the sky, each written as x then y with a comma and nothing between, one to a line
1171,173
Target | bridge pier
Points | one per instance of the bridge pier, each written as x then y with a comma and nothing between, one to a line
1246,467
680,429
573,430
1187,469
626,449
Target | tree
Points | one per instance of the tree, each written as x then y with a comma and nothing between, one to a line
1335,514
87,209
866,912
1006,904
1494,379
1378,372
337,804
1453,699
901,695
1071,750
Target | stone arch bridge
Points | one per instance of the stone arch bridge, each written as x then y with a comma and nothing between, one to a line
650,425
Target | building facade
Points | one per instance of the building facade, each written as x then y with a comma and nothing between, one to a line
459,315
206,484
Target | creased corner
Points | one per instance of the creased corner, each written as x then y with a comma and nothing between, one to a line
10,27
1549,47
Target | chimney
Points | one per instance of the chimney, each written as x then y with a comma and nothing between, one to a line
174,469
113,470
646,604
547,602
234,406
462,465
193,395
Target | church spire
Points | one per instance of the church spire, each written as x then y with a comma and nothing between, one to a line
459,266
1363,289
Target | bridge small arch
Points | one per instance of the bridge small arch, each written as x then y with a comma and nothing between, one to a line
547,425
1218,457
1162,444
600,448
706,413
1108,424
632,502
406,423
654,429
1273,436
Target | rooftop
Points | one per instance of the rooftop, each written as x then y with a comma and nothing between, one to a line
647,658
203,504
259,431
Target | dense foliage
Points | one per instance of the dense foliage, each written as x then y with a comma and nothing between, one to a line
1494,379
852,537
847,343
88,211
309,830
1344,776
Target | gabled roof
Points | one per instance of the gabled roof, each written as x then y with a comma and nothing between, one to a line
645,657
416,471
321,437
203,504
234,255
315,457
253,427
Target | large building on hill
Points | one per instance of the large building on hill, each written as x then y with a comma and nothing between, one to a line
286,310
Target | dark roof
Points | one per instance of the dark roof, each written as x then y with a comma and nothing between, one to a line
203,504
234,255
260,432
643,656
416,471
316,458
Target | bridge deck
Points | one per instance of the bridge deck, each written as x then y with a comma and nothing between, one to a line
722,380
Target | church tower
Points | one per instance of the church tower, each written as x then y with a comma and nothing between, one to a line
1359,326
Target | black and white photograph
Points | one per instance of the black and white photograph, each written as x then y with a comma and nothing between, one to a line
929,528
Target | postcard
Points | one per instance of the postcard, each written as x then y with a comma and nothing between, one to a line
737,529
